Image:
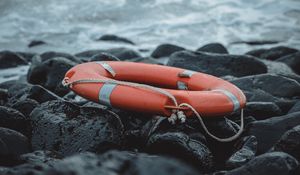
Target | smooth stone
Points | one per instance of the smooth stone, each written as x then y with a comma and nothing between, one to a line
123,53
275,163
50,73
34,43
274,84
48,55
292,60
12,145
115,38
104,57
68,129
25,106
165,50
269,131
272,53
289,142
13,119
179,145
262,110
246,150
10,59
213,48
217,64
27,55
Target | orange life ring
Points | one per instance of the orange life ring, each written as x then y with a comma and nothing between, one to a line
209,95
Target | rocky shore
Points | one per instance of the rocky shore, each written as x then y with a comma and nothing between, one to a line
46,129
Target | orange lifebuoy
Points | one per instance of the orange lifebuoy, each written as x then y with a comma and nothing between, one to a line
209,95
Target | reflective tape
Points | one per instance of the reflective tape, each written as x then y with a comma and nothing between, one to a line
105,92
186,74
181,85
233,98
107,67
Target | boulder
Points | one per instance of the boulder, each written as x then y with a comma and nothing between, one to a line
275,163
12,145
25,106
104,57
165,50
290,142
3,96
180,145
245,151
50,73
10,59
272,53
295,108
262,110
274,84
292,60
13,119
123,53
115,38
34,43
217,64
269,131
67,128
48,55
213,48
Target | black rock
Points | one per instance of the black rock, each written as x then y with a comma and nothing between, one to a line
104,57
117,162
292,60
262,110
13,119
12,145
290,142
269,131
67,128
148,60
10,59
165,50
213,48
123,53
34,43
272,53
3,96
295,108
86,55
27,55
275,163
274,84
41,95
179,145
217,64
50,73
246,150
48,55
25,106
115,38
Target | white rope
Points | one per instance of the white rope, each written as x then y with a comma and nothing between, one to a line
176,114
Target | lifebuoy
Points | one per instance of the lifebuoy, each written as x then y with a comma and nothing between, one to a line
208,95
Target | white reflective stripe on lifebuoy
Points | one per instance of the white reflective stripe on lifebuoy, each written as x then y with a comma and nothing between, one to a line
107,67
232,97
186,74
105,92
181,85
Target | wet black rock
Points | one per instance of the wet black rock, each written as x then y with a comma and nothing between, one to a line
295,108
27,55
292,60
34,43
3,96
165,50
123,53
50,73
13,119
41,95
183,147
217,64
274,84
213,48
10,59
245,151
269,131
25,106
104,57
117,162
67,128
290,142
12,145
48,55
262,110
275,163
115,38
272,53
